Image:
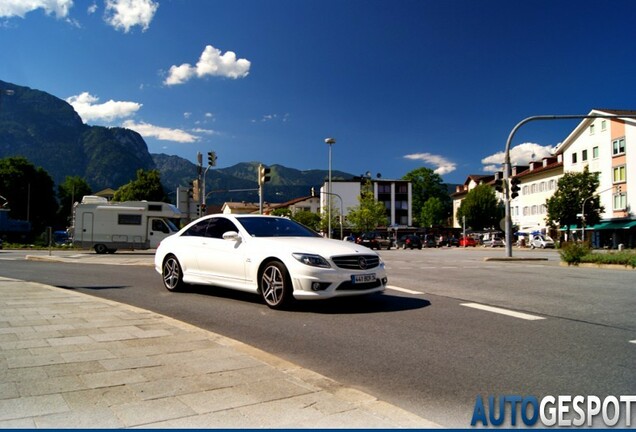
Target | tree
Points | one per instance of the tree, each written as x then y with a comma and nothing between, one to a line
427,184
307,218
368,214
71,190
147,187
572,190
433,212
29,192
481,208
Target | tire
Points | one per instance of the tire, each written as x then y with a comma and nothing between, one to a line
100,249
275,285
172,274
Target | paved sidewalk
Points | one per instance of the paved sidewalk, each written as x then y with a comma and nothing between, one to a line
70,360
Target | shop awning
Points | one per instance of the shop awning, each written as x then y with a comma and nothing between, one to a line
572,228
615,225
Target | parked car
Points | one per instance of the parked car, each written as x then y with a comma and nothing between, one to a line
448,241
542,242
429,241
494,242
467,241
374,240
275,257
409,241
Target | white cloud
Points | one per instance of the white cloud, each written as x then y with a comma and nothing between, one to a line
211,63
443,165
160,133
125,14
521,154
205,131
92,9
89,110
19,8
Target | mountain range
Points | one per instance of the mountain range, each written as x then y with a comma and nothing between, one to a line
50,134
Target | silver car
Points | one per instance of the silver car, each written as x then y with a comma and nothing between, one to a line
542,242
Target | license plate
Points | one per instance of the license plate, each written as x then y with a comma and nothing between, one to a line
363,278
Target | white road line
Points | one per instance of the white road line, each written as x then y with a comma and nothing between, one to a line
634,341
404,290
503,311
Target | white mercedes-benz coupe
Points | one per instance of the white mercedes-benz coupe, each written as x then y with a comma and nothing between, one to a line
276,257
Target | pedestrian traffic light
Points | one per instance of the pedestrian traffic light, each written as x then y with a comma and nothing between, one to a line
263,175
211,159
514,187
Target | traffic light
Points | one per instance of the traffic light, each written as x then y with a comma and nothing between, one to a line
211,159
191,190
514,187
499,185
263,175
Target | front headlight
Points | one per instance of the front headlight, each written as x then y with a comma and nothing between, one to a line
312,260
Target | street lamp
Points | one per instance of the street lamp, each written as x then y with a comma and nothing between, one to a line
329,142
583,211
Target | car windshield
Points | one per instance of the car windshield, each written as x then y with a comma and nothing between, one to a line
275,227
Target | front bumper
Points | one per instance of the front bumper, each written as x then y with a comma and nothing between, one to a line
318,283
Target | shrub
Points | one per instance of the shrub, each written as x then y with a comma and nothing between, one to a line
573,253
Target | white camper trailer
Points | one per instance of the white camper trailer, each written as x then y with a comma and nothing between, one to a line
107,226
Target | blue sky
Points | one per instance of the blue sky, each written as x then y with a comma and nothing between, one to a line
400,84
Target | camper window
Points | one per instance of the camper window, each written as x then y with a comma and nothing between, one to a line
129,219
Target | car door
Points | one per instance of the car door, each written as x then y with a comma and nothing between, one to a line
223,261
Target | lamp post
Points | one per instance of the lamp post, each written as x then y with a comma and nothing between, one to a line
583,210
329,142
341,210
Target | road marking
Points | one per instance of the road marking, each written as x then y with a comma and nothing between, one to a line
634,341
404,290
503,311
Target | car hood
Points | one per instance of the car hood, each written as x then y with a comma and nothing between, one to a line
314,245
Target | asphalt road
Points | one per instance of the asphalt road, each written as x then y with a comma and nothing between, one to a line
427,345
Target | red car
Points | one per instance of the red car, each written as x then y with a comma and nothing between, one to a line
467,241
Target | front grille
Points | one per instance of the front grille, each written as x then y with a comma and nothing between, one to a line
357,262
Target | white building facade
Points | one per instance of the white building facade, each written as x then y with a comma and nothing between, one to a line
396,195
607,147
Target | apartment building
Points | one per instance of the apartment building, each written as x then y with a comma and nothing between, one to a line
538,182
607,147
396,195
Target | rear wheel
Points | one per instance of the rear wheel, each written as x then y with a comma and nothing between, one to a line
172,274
101,249
275,285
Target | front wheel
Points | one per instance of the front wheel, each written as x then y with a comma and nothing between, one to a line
172,274
101,249
275,285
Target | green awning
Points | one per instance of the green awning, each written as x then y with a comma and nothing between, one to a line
615,225
572,228
598,226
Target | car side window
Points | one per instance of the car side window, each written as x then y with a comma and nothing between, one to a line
197,230
219,226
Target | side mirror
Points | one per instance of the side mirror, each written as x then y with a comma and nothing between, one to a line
231,236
